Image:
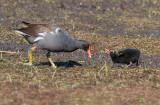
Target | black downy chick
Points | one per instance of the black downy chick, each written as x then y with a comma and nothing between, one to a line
127,56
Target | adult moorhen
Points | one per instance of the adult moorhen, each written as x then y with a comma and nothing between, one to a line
51,38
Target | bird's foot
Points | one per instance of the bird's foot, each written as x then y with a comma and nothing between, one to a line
54,66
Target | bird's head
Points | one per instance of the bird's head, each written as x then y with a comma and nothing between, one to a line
108,51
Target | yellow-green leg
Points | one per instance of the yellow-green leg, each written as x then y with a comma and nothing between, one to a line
30,55
53,65
50,60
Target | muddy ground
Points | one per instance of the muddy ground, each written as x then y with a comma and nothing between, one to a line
79,80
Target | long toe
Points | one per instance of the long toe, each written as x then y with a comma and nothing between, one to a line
28,64
54,66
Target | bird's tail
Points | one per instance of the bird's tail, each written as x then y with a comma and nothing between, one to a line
26,23
20,32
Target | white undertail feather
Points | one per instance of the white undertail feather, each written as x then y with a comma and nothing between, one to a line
42,34
20,32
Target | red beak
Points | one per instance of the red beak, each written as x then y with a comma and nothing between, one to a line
89,51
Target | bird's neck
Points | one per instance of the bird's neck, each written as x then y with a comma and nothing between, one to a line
78,44
114,57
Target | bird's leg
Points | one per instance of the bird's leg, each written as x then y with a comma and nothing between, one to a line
137,63
130,64
48,56
30,54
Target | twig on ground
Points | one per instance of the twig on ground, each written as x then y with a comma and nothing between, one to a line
8,52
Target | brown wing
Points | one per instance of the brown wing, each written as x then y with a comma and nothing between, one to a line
33,28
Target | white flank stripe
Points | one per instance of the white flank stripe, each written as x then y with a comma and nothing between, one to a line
38,38
20,32
42,34
45,33
57,30
52,32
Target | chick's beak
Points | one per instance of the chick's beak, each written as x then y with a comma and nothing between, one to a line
89,52
107,51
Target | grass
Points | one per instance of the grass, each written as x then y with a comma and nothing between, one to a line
105,25
75,81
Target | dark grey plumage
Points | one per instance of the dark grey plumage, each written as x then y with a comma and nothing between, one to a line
52,38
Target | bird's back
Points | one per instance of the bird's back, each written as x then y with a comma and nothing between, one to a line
59,42
129,55
130,52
